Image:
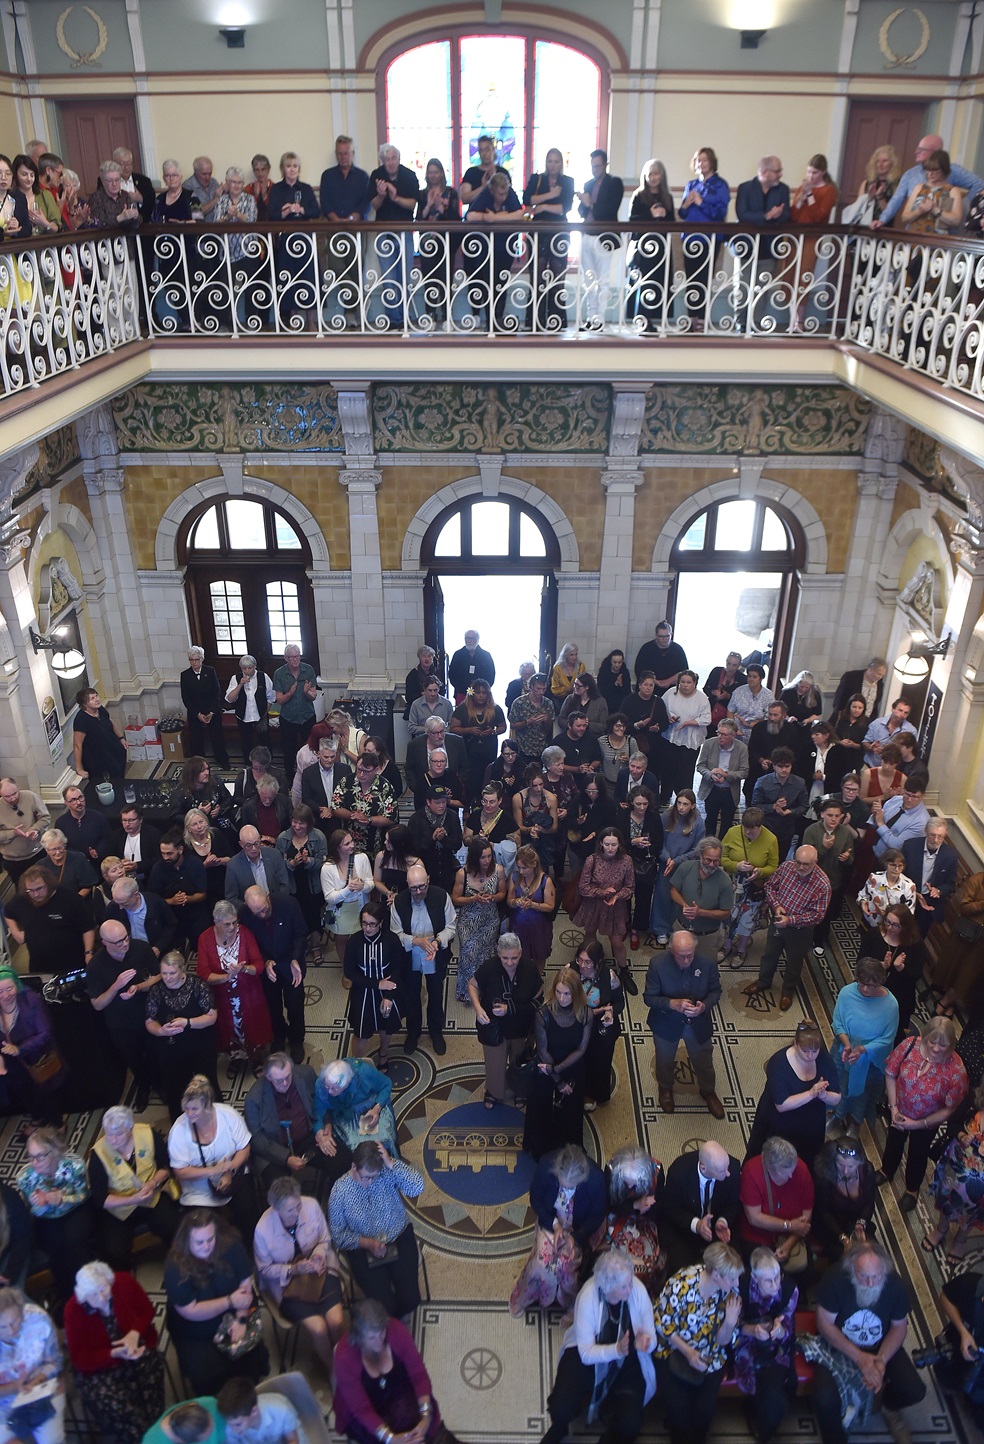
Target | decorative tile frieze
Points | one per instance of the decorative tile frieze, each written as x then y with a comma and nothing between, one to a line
755,420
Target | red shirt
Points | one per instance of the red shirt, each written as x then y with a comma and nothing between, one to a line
789,1200
918,1093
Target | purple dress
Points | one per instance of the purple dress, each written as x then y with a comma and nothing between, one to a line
596,915
534,929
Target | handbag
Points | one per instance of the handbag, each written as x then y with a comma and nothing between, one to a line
228,1182
48,1066
253,1334
969,930
683,1370
799,1255
305,1288
490,1033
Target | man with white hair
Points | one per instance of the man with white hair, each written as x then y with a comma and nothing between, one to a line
931,862
255,866
423,920
392,195
146,917
201,697
202,186
139,187
858,1353
278,925
118,975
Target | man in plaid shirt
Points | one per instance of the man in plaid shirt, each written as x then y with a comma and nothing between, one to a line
798,893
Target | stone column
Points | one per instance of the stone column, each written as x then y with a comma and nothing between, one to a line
621,480
961,717
115,600
361,480
24,677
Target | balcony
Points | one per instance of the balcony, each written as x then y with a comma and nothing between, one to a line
914,303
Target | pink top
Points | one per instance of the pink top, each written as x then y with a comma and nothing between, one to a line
919,1093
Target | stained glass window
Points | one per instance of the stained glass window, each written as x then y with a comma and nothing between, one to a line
530,94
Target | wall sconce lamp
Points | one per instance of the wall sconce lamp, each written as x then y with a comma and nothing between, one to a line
235,36
913,666
66,662
750,38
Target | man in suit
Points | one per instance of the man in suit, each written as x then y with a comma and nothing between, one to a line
931,862
700,1203
285,1094
435,735
256,866
201,697
869,681
140,187
136,842
630,778
682,990
721,766
318,782
146,917
423,921
278,926
468,663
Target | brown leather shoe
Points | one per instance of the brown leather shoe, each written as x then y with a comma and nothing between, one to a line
666,1101
785,1002
752,990
714,1105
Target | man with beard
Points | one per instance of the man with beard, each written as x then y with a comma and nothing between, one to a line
775,730
861,1322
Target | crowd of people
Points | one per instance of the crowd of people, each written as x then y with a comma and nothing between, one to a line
194,941
491,261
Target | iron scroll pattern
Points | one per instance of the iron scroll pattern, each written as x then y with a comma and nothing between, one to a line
523,417
252,417
754,420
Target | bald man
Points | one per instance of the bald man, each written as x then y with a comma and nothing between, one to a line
700,1203
799,894
915,176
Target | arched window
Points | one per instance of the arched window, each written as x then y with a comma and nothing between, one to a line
736,567
490,564
246,584
528,92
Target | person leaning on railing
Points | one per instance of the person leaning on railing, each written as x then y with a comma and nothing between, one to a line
109,205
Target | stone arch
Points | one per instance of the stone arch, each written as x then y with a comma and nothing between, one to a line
77,527
910,525
232,480
470,487
764,489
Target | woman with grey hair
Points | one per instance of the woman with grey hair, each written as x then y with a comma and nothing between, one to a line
803,699
268,810
246,253
71,870
635,1186
569,1198
606,1368
230,962
111,1343
504,993
382,1388
130,1185
298,1266
777,1198
352,1100
111,207
764,1366
250,692
425,671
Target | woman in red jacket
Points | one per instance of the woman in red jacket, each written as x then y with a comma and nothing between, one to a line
230,962
112,1346
382,1387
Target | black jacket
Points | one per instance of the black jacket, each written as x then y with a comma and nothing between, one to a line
313,793
681,1204
262,1120
850,683
150,850
202,693
460,674
416,764
161,923
944,873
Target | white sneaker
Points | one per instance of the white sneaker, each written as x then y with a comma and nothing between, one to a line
662,939
818,951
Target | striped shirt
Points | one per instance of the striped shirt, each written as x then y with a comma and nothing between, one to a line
804,900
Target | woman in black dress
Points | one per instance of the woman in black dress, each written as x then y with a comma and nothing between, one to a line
208,1280
438,202
651,203
505,769
181,1019
292,200
374,966
214,847
595,811
615,680
606,999
99,747
801,1083
389,871
896,943
563,1028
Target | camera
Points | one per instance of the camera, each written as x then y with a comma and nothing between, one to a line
944,1351
941,1351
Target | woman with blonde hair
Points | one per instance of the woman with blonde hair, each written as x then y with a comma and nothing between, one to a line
567,666
881,176
530,898
926,1083
555,1103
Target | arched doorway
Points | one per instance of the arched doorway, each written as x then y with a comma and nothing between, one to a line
246,583
491,565
736,582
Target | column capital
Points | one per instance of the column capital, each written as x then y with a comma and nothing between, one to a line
626,479
96,432
13,546
98,483
360,480
882,485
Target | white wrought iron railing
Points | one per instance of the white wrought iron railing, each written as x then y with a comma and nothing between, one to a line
63,303
918,301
